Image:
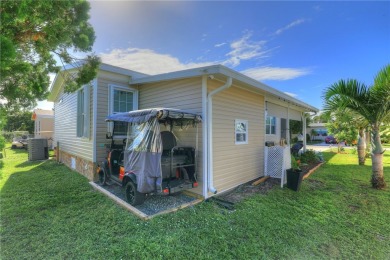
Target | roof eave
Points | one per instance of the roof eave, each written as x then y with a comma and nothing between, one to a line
220,69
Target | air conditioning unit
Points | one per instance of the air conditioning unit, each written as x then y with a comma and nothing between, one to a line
38,149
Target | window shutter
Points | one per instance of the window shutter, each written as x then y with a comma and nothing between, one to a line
86,112
80,116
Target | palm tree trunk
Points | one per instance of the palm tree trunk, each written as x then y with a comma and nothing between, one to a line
377,178
368,143
360,147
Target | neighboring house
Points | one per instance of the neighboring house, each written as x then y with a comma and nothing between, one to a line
44,124
320,131
227,156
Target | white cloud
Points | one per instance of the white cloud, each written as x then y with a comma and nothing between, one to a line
294,23
150,62
275,73
244,49
147,61
291,94
220,44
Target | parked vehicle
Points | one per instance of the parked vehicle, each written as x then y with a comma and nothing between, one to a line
19,139
330,140
149,160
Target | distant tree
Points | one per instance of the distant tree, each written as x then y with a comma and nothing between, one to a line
34,35
385,133
296,127
372,104
320,118
313,133
342,127
19,121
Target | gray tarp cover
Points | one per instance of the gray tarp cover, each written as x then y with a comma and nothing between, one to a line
142,155
142,116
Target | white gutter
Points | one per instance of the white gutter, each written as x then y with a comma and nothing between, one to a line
210,177
204,134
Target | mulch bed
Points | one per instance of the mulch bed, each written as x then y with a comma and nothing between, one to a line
247,189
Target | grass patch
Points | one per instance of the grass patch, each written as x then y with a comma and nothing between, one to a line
49,211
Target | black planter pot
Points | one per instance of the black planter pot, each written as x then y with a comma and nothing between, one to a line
294,179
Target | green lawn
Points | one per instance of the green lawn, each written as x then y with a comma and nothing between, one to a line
50,212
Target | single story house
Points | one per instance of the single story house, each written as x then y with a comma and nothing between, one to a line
317,131
43,124
227,155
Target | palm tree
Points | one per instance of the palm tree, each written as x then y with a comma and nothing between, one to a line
373,104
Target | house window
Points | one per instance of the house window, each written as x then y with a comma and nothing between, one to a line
270,125
83,112
241,131
123,99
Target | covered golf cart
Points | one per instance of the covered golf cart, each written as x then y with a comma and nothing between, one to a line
150,160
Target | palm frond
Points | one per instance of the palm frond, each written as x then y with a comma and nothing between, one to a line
348,94
381,93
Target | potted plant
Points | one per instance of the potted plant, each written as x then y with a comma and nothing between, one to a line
294,175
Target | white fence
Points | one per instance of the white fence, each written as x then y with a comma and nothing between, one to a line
277,160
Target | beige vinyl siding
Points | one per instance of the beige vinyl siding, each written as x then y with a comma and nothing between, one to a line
104,80
235,164
280,110
65,126
295,115
183,94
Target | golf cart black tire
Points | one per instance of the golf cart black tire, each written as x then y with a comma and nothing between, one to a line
13,146
133,196
103,178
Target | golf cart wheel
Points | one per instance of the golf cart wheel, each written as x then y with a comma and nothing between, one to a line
13,146
103,177
133,197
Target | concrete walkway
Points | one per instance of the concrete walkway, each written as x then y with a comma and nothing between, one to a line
324,146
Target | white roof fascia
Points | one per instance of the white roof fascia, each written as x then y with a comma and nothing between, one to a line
103,66
220,69
196,72
114,69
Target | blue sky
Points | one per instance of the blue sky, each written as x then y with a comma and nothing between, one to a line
297,47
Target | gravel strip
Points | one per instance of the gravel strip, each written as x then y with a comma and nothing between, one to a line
153,204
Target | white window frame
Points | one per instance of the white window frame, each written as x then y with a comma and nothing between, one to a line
270,125
111,89
241,121
83,123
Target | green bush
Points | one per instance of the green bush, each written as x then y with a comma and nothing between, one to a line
309,156
2,142
8,136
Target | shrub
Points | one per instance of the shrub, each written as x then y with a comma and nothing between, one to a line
309,156
7,136
2,142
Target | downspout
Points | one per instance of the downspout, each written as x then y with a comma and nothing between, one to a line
204,135
210,175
